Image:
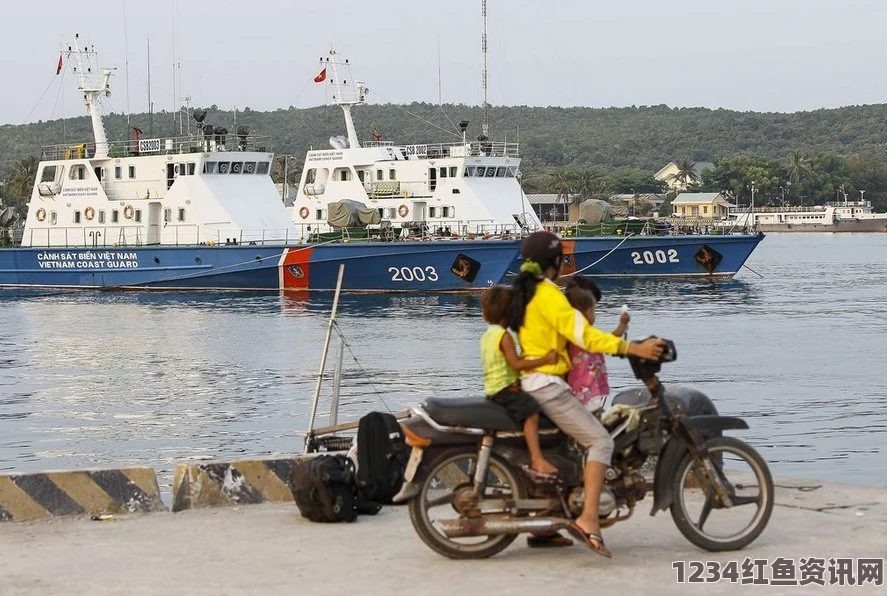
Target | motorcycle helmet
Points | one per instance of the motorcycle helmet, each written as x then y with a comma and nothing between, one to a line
544,248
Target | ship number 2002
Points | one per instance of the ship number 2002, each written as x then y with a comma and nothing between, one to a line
649,257
428,273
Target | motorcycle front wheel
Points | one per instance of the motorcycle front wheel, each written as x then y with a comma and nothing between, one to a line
451,473
698,515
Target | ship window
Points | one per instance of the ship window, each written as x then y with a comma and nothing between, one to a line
392,174
456,191
191,168
77,173
310,176
48,174
511,172
115,216
53,218
490,172
431,211
262,167
224,166
481,172
102,216
132,171
445,211
443,172
236,167
209,167
379,175
118,172
167,215
138,215
500,172
319,214
249,167
76,217
360,175
392,212
181,214
469,171
454,171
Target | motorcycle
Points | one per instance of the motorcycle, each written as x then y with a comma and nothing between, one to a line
470,491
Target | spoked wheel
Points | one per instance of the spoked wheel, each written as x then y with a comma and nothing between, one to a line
442,494
696,511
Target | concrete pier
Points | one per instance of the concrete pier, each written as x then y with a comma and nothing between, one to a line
270,549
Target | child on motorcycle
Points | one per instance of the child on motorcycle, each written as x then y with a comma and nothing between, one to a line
544,320
501,363
588,371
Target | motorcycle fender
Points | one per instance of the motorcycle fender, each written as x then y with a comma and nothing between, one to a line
413,464
675,450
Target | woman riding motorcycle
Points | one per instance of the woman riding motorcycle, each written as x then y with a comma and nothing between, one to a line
544,321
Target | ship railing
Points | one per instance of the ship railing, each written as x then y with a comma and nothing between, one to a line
113,236
458,149
160,146
415,230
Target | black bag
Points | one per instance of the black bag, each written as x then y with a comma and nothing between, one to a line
381,457
324,489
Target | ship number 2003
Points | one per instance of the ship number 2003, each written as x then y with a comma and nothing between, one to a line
649,257
428,273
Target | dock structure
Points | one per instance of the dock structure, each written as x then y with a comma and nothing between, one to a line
271,549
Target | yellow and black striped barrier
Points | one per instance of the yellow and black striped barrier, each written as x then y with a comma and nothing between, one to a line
220,484
45,495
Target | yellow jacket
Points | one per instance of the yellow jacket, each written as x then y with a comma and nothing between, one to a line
550,323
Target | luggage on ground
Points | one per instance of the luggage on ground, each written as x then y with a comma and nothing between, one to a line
324,488
381,457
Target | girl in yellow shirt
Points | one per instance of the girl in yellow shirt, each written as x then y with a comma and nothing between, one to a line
545,321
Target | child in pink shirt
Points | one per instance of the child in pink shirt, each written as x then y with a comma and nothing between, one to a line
588,371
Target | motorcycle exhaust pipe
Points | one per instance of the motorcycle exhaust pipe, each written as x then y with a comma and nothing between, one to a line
464,527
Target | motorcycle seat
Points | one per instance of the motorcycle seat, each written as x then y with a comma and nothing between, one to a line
474,412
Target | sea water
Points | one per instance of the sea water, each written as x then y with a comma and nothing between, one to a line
795,345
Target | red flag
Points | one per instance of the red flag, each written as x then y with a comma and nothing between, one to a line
58,69
320,77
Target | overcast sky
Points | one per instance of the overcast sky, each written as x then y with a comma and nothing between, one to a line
773,55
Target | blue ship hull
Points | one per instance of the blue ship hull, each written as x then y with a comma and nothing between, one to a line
427,266
718,257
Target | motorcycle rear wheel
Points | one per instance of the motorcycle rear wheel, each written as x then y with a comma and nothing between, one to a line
749,489
452,471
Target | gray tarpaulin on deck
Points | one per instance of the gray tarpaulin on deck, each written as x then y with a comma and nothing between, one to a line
349,213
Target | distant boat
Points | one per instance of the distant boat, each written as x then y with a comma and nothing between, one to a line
201,212
837,216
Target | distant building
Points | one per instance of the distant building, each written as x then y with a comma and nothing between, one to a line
551,207
668,173
705,205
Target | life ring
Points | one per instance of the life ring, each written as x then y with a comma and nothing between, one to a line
41,214
128,211
403,210
89,213
303,212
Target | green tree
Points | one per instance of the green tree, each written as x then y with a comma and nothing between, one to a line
20,181
686,173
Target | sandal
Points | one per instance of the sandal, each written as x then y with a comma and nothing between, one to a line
593,541
548,541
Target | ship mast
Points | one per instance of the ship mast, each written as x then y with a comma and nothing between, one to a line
93,86
485,126
345,94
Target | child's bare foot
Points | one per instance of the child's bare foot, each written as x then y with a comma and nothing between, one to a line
544,466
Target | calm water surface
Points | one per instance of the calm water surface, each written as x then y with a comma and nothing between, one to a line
100,379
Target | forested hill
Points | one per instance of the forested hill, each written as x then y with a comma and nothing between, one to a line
637,137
